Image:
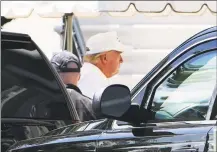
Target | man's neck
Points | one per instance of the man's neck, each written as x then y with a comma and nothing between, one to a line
100,67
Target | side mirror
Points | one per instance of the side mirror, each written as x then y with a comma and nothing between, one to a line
112,101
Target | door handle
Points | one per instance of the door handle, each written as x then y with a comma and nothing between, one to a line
185,150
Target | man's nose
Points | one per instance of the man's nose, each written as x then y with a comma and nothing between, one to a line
121,59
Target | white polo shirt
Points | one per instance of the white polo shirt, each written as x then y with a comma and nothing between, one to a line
92,80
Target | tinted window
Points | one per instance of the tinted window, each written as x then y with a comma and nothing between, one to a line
185,94
29,88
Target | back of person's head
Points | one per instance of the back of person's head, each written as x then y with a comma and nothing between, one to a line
67,65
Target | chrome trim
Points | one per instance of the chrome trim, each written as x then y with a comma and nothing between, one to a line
215,138
212,102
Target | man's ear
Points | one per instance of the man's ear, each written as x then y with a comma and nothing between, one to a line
79,76
103,58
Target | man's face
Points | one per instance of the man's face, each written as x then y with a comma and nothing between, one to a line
112,61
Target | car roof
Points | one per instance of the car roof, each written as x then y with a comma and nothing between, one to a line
8,34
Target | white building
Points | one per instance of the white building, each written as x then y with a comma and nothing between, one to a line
153,28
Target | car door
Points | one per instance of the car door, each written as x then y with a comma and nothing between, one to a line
181,95
33,98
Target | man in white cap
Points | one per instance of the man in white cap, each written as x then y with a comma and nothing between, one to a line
101,62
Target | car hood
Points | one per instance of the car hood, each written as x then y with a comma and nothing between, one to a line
80,132
36,143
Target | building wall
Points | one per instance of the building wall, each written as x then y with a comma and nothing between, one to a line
153,28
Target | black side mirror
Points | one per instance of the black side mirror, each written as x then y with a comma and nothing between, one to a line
112,101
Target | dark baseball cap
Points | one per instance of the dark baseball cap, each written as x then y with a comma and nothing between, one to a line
61,59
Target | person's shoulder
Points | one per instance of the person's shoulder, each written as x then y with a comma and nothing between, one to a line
78,96
87,98
73,94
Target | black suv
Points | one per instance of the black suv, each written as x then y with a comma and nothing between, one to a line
173,108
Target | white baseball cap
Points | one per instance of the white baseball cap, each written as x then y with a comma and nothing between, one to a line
104,42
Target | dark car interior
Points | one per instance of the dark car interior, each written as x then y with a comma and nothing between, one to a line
30,95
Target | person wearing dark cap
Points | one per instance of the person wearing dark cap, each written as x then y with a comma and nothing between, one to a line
67,65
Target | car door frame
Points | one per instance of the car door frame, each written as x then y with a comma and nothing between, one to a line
187,54
176,62
70,104
182,49
22,38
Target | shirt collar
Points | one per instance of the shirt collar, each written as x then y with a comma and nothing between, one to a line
74,87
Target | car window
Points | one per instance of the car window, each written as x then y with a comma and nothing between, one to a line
29,88
185,94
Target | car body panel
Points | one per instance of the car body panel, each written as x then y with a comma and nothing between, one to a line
78,141
155,136
176,136
80,137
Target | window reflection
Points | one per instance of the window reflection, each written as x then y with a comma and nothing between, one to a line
186,93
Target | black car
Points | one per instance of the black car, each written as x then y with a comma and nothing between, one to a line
33,98
173,108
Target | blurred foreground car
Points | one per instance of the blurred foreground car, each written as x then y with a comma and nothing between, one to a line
33,98
145,119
